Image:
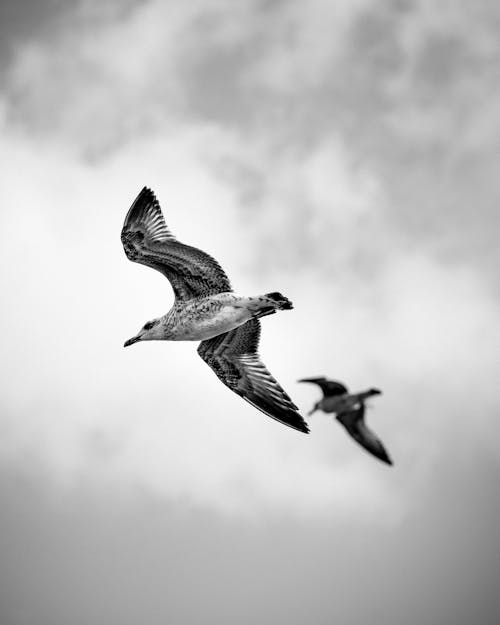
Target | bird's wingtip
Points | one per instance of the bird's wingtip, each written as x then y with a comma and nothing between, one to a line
305,428
292,418
146,191
384,456
295,421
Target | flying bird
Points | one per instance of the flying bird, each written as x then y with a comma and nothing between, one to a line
349,409
206,309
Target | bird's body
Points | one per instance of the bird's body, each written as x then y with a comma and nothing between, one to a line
342,403
349,410
206,309
203,318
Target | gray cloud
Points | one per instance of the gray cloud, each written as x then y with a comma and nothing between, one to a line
91,555
407,90
27,20
343,154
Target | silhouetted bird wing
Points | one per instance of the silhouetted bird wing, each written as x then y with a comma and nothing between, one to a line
147,240
234,358
330,388
354,422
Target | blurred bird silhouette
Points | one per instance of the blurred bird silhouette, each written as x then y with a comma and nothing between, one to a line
349,409
206,309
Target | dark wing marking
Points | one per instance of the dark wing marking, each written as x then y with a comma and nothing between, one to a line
234,358
147,240
330,388
354,423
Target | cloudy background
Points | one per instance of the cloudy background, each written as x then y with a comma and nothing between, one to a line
345,153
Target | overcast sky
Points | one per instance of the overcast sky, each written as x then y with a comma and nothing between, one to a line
344,153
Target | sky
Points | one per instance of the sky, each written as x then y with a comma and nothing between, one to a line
344,153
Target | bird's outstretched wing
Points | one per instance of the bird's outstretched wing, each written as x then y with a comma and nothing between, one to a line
354,422
147,240
234,358
330,388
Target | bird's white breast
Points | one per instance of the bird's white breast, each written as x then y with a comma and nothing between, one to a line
209,317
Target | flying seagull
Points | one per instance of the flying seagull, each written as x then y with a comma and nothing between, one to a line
206,309
349,409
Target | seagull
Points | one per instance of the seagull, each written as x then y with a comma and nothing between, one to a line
349,409
206,309
336,397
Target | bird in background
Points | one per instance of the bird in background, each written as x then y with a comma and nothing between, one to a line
349,409
336,397
206,309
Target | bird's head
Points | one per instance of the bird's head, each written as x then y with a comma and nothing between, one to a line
151,331
375,391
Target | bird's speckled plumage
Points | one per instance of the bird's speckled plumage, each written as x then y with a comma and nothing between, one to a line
206,309
147,240
234,358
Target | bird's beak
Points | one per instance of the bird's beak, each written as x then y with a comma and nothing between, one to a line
134,339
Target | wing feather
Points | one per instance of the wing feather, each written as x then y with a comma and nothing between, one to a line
234,359
330,388
354,423
147,240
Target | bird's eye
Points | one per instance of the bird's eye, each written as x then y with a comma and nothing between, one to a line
148,325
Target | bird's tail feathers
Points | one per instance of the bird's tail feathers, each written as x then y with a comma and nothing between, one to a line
366,394
281,302
267,304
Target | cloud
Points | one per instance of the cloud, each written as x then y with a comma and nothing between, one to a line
342,154
86,410
317,220
79,405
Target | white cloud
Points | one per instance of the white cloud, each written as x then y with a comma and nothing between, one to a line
85,407
368,310
75,298
308,40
